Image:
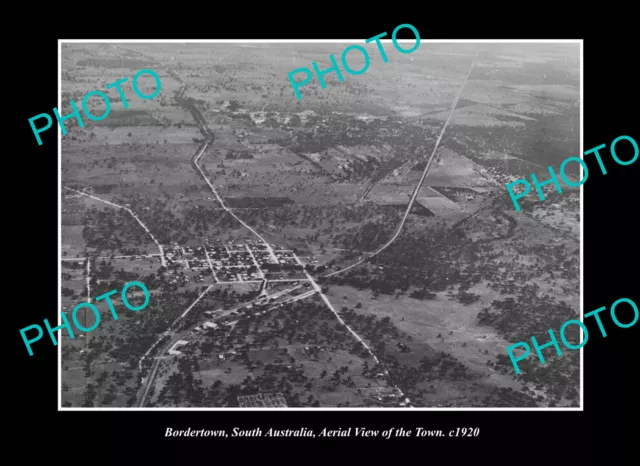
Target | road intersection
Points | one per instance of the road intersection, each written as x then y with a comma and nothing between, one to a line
147,381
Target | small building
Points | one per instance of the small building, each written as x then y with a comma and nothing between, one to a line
173,351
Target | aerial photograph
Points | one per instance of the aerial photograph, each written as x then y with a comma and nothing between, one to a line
353,249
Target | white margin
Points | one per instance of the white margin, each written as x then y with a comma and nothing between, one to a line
236,41
59,226
581,220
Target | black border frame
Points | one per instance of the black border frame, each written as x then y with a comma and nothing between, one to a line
610,264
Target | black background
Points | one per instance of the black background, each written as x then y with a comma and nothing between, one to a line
610,256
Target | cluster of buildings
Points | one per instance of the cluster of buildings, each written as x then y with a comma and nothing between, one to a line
238,262
207,325
227,262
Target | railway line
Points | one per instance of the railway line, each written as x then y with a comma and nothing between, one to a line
209,138
420,182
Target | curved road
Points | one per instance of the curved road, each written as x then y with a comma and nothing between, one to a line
209,138
146,386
